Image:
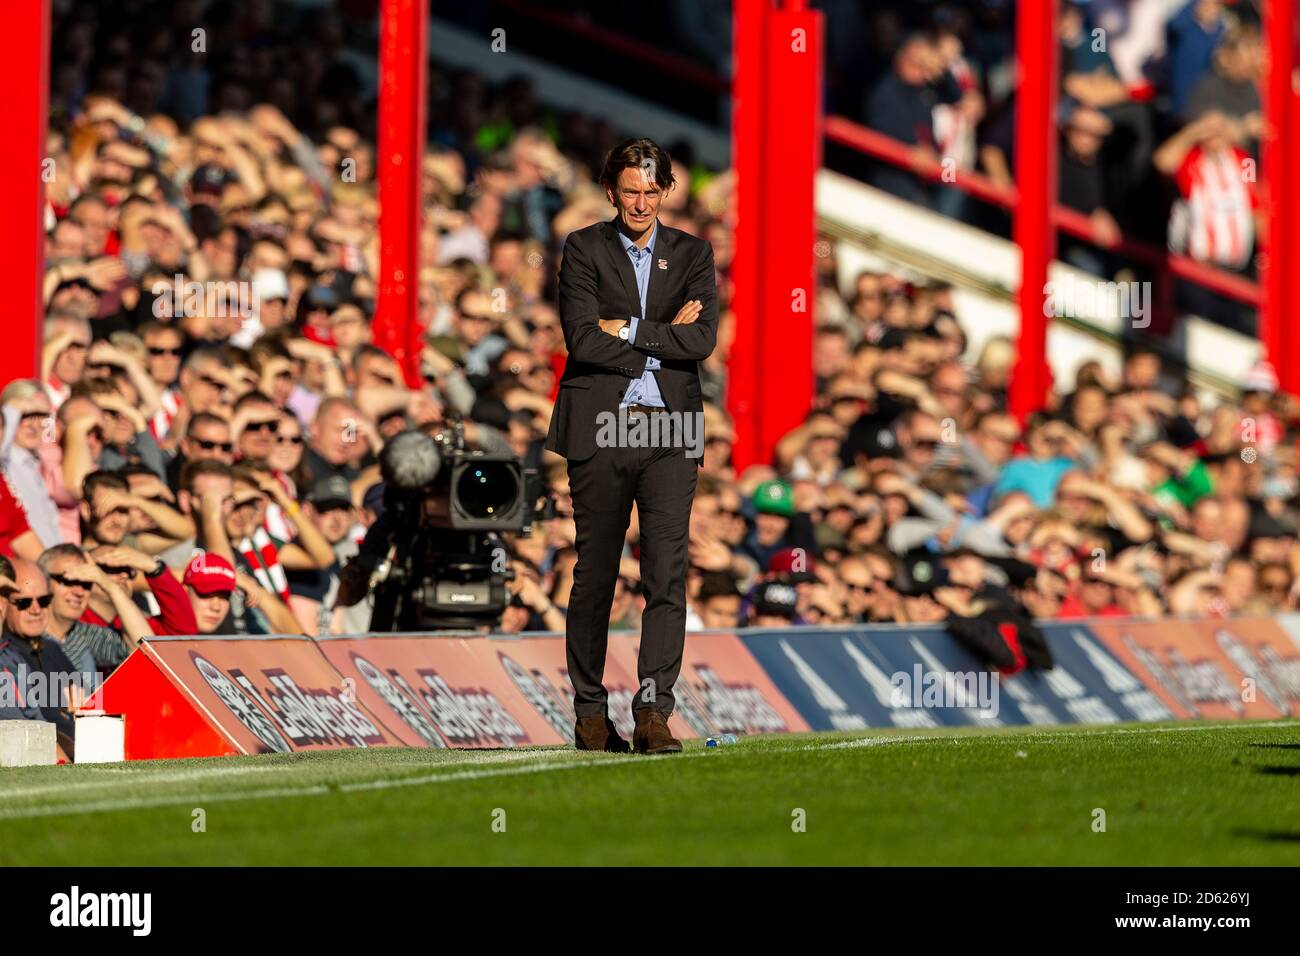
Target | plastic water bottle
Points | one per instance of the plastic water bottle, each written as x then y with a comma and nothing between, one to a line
720,741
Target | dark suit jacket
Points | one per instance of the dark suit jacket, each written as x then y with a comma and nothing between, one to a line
597,282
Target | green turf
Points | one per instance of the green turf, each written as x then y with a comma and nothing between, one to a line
1186,794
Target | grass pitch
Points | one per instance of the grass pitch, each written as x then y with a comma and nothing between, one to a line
1173,794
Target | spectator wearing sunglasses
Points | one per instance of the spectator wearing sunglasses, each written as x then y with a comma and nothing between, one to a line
105,512
63,359
207,437
28,425
131,570
254,425
27,615
122,431
205,384
13,665
287,456
164,345
93,648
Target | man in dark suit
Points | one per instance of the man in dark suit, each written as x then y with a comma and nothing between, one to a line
639,309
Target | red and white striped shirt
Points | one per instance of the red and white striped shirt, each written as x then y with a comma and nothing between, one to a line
162,420
1214,222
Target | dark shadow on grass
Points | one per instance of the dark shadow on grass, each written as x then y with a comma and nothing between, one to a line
1279,771
1270,836
1278,746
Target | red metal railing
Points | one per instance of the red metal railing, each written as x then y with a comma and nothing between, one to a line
1070,221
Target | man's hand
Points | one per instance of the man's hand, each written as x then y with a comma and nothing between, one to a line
612,326
688,313
253,592
105,272
213,503
121,556
709,553
113,402
89,573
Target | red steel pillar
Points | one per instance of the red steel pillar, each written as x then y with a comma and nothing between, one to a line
776,151
25,47
1281,157
403,32
1036,146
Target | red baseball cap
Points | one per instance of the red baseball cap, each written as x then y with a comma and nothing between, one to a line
209,574
793,562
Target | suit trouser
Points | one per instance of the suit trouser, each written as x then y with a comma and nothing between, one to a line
661,481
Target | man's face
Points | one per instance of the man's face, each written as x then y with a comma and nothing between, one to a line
770,527
271,313
205,387
1274,585
1207,520
71,363
93,218
109,518
277,379
209,609
919,441
163,358
949,386
334,520
1142,371
966,571
36,424
207,484
911,63
636,196
378,370
67,242
208,440
33,620
248,512
70,597
1096,594
721,613
996,437
258,437
334,434
858,580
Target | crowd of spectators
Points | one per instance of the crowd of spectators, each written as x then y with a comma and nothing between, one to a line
199,452
1158,116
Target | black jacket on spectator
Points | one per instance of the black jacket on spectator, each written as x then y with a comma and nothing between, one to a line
1002,636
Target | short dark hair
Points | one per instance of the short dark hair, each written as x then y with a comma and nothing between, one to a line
637,154
253,398
203,418
717,584
201,466
102,479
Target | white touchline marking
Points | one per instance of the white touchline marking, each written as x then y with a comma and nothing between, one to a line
145,776
576,761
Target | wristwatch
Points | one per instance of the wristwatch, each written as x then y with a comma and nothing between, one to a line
625,333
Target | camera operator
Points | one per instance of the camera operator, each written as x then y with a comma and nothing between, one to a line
408,467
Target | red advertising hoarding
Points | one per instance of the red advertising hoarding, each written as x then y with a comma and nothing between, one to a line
1215,669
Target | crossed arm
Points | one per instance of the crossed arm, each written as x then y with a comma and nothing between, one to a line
594,340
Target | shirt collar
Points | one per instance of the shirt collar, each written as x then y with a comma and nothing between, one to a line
629,245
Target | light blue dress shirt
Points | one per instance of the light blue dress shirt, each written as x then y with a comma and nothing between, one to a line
645,390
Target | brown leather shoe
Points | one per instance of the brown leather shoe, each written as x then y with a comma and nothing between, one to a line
652,735
598,733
